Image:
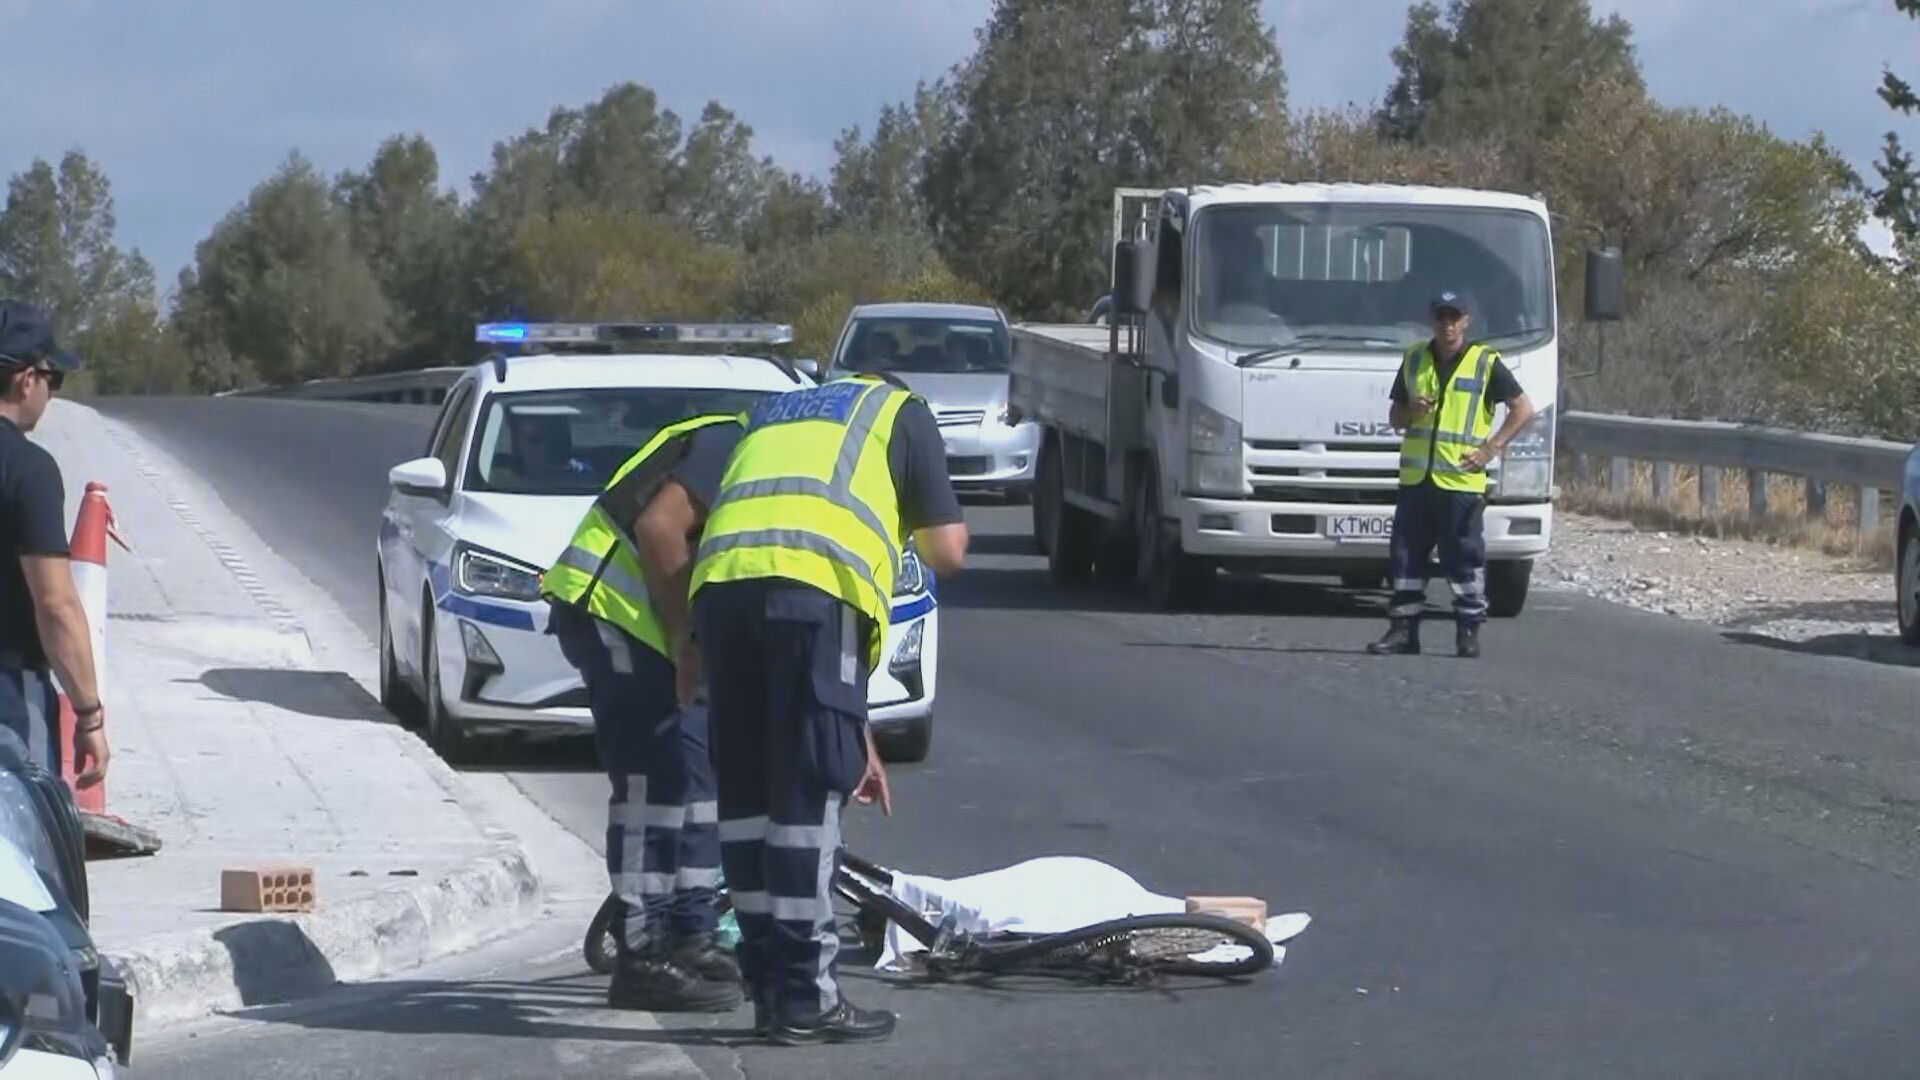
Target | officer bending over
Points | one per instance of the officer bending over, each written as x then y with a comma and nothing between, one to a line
1443,398
791,598
619,600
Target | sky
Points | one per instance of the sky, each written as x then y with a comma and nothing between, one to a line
186,104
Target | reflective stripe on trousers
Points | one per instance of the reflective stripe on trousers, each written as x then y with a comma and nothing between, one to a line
1426,518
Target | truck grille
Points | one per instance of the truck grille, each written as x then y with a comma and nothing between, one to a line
1345,472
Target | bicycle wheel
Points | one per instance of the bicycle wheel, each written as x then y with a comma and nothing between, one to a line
868,886
1175,943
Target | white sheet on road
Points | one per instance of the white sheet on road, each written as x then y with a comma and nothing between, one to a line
1047,895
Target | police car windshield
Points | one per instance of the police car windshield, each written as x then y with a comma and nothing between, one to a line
1359,278
569,442
928,346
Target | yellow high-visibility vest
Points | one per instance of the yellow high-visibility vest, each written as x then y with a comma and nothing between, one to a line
600,568
808,496
1437,443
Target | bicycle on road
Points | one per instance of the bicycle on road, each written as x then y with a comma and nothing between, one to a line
1136,949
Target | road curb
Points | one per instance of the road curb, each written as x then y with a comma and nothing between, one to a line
274,959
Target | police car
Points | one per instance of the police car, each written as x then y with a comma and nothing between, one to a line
521,447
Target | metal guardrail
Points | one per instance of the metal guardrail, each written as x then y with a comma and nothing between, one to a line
1873,466
1603,445
425,386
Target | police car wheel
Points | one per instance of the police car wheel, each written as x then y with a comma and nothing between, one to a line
395,695
443,728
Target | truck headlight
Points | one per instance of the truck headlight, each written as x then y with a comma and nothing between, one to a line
480,573
1526,469
1215,453
42,1005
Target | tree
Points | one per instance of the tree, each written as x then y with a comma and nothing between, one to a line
716,184
1061,103
280,285
612,262
1509,70
877,183
408,231
1897,200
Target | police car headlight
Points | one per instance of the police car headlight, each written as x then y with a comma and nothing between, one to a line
913,575
907,653
42,1005
481,573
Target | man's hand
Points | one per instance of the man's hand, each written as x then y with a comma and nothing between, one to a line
873,783
686,668
1421,406
1480,456
90,751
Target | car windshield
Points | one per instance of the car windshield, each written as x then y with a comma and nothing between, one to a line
1361,277
925,345
569,442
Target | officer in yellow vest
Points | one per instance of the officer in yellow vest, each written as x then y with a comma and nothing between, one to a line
1444,399
618,595
792,593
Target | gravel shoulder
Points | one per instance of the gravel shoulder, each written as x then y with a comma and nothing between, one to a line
1788,594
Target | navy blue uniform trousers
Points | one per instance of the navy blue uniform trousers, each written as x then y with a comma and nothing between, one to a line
30,707
786,669
1426,517
663,839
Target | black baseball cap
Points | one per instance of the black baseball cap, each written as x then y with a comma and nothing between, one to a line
1452,298
26,337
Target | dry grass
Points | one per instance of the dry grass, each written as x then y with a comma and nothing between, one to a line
1835,532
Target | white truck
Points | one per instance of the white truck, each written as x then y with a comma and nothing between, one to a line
1232,412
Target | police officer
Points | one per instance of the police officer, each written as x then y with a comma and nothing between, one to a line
43,627
791,595
618,595
1444,399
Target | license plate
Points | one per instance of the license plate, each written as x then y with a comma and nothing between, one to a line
1360,527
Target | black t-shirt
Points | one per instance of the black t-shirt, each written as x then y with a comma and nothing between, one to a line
702,462
1502,387
33,508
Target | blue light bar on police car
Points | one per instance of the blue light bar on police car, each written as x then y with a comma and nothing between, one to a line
613,333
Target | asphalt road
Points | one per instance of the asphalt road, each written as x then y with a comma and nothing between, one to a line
1618,845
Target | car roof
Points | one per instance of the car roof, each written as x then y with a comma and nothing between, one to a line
925,310
574,371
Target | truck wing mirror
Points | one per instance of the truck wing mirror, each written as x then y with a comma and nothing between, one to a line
1132,277
1606,299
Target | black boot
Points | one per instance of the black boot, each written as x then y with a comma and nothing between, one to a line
652,982
1401,639
845,1022
703,955
1466,639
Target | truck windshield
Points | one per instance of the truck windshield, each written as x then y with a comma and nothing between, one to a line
925,345
569,442
1361,277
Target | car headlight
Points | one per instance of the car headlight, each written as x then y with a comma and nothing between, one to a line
42,1004
907,653
479,573
1526,468
913,575
1003,414
1215,452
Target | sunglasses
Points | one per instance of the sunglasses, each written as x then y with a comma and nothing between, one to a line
54,376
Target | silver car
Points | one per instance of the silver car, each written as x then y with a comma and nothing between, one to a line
955,356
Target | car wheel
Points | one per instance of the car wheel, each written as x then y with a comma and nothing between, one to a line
395,695
443,728
909,744
1907,580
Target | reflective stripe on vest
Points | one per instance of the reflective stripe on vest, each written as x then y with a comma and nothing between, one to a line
600,570
1439,442
809,496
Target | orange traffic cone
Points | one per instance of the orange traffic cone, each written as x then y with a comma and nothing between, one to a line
89,559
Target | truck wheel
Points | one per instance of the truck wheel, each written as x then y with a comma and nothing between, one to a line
1072,534
1045,495
1173,579
1507,587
